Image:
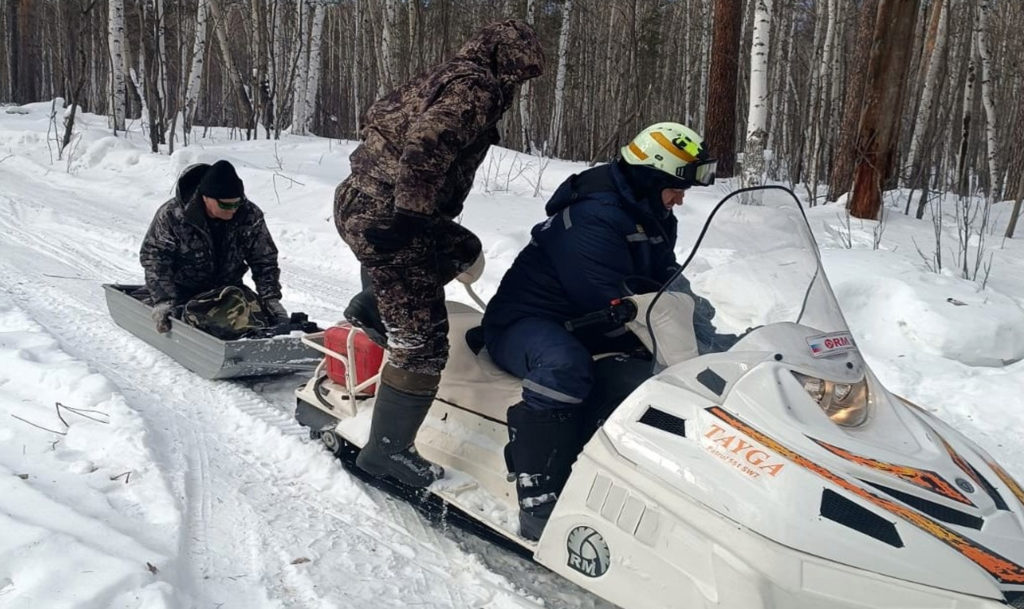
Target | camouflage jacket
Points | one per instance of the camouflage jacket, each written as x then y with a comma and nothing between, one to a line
423,142
180,256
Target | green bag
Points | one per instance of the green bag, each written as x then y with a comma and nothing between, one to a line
229,313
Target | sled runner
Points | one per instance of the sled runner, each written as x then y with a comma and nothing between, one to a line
279,350
779,474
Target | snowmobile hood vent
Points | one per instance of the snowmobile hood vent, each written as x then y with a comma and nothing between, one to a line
664,421
935,510
839,509
1015,599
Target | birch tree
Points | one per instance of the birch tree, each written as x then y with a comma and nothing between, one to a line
299,88
991,129
818,104
525,93
115,42
195,72
563,58
935,48
757,114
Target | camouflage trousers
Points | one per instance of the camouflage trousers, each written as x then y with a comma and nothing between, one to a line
408,283
228,312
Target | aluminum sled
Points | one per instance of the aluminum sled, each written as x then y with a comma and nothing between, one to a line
206,355
780,474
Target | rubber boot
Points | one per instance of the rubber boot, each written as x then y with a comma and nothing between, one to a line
362,312
543,445
390,451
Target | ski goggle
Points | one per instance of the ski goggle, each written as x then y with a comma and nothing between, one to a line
231,205
699,173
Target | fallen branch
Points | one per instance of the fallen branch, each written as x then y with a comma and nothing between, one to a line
59,433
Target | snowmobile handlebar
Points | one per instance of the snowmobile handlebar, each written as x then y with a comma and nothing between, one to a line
620,311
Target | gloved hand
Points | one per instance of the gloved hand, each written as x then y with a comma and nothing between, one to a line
161,316
276,310
397,233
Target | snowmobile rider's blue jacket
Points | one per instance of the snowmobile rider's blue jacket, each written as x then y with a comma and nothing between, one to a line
598,233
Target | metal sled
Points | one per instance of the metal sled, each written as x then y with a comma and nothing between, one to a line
206,355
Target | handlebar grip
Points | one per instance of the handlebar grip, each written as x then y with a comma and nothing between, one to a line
619,312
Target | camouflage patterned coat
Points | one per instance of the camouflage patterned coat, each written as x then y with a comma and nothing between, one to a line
182,258
423,142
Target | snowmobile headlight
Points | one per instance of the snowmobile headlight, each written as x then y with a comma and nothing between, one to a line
845,403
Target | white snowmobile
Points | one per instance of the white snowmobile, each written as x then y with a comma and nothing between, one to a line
778,475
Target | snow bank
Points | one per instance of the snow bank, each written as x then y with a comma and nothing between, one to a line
87,517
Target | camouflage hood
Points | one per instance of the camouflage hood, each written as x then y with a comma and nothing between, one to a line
188,182
508,49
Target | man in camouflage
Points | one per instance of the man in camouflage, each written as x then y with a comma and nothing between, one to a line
422,144
205,238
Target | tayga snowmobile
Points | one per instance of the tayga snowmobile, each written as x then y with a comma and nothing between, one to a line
779,474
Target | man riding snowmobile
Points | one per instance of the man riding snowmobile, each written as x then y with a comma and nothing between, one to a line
605,226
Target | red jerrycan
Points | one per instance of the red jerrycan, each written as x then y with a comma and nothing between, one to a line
364,355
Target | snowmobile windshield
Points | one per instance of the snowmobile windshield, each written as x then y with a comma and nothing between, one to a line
754,264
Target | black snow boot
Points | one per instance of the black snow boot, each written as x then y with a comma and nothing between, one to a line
543,445
397,416
362,312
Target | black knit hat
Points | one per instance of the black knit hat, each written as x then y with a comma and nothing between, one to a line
221,182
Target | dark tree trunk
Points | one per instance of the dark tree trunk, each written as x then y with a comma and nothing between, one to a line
720,133
878,132
842,166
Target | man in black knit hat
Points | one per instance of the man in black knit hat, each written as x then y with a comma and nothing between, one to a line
203,241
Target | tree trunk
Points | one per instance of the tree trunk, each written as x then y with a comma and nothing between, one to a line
115,44
962,182
559,102
757,114
245,104
723,79
932,56
880,117
991,128
820,106
526,96
301,78
315,54
195,74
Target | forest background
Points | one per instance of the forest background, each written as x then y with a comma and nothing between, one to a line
831,96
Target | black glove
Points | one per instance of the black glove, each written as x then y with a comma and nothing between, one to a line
276,310
398,233
162,316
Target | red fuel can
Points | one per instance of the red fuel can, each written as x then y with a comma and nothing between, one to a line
365,358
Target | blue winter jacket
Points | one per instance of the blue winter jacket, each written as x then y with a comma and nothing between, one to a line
596,235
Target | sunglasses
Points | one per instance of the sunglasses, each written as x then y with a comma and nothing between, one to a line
232,204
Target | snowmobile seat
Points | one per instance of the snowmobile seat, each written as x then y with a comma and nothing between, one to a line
470,379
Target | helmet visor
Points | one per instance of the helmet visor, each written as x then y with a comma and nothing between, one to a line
699,173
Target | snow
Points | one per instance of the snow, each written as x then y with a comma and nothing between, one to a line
126,481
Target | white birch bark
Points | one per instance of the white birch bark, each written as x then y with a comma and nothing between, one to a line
822,92
525,93
388,47
302,73
195,74
991,131
928,90
115,45
965,121
313,83
757,113
563,58
357,74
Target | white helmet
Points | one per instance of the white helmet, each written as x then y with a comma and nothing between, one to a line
674,149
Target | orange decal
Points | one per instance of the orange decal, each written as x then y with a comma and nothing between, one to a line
927,480
998,567
1007,480
676,151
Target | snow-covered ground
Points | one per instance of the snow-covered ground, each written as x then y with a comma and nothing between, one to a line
127,482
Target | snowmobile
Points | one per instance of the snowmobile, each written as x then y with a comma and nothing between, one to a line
780,474
276,350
